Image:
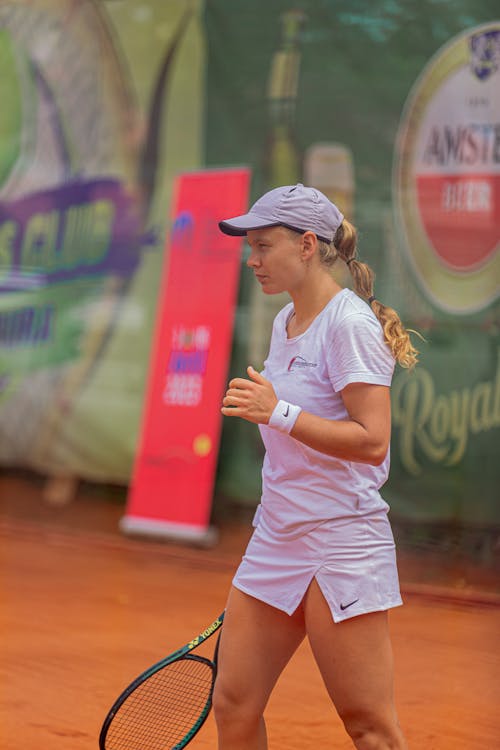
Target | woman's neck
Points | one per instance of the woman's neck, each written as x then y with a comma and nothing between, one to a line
308,303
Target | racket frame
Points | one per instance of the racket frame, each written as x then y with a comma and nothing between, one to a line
181,653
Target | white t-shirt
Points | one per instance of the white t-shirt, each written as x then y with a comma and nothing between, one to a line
302,487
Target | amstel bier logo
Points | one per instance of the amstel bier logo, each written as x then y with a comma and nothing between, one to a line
447,173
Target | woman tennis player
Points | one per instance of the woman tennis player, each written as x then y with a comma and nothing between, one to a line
321,561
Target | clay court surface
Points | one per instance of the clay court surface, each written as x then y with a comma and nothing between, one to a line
85,608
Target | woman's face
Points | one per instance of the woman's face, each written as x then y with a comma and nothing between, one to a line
276,258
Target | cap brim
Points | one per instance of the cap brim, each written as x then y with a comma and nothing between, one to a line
240,225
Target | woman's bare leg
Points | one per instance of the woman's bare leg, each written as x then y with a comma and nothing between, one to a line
257,642
355,660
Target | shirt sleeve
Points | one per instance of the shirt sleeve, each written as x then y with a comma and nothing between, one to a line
359,354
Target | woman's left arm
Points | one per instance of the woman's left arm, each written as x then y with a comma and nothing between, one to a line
363,437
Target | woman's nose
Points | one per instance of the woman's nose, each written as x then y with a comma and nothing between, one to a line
252,260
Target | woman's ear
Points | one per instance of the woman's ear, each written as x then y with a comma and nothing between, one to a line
309,245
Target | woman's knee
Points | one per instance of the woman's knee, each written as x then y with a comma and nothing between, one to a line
231,704
370,731
223,701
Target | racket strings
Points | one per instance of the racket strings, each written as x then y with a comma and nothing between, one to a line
163,709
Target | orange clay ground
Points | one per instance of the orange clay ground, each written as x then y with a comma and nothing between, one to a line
83,609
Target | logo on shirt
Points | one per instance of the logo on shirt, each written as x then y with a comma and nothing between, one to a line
298,362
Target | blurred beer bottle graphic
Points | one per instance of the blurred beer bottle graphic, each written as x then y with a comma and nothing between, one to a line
329,167
283,159
282,164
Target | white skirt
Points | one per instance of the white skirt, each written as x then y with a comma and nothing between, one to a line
352,559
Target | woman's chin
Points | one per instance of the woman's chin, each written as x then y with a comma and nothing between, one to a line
270,289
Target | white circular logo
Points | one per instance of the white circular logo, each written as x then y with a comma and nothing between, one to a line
447,173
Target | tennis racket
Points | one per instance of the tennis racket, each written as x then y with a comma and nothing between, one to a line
166,705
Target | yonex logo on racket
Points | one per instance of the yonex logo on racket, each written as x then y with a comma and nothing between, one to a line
211,628
206,633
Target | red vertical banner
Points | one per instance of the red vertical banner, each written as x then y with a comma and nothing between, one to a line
172,482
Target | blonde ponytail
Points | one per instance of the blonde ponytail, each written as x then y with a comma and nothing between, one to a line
395,334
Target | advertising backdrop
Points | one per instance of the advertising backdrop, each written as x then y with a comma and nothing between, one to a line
102,106
391,108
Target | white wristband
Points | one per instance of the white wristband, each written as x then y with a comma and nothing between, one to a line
284,416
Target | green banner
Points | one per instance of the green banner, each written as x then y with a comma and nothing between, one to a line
392,109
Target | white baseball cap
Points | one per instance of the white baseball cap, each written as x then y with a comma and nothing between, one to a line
294,206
